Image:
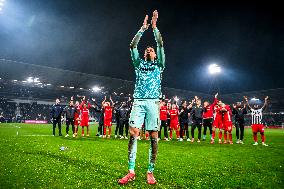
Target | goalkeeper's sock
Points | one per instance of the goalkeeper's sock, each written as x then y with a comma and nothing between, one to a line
132,150
153,151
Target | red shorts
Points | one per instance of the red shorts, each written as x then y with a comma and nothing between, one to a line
84,123
257,128
108,123
77,122
174,125
228,126
218,124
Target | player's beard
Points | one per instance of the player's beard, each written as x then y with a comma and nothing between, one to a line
148,57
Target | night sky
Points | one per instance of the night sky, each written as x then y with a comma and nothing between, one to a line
246,40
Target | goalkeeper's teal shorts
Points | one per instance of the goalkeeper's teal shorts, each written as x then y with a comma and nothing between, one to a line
147,110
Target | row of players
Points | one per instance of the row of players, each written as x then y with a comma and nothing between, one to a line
215,117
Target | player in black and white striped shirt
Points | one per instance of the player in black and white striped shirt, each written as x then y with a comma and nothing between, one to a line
256,119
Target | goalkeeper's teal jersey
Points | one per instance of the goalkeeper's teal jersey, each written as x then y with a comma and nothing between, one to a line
148,73
148,80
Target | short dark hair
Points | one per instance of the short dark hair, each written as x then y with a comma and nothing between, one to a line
149,47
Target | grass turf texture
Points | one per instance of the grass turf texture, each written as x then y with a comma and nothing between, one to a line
29,161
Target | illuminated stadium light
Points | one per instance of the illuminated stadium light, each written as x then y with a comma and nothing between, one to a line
176,99
15,80
62,86
48,84
30,80
81,88
36,80
96,89
214,69
33,80
1,4
254,99
71,87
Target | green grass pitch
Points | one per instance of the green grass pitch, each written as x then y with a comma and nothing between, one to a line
31,158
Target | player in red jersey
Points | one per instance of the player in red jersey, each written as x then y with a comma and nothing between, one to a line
163,119
218,122
227,123
77,118
108,108
208,116
174,123
84,107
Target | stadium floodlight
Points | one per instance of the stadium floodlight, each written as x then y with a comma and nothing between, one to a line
96,89
48,84
30,80
81,88
15,80
214,69
36,80
176,99
254,99
1,4
62,86
71,87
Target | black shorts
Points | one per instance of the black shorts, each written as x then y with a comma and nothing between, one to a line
208,122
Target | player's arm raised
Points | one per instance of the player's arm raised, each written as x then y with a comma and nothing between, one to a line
246,100
159,40
265,103
135,41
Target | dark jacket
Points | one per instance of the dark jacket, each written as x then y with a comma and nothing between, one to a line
69,111
56,111
239,114
183,116
197,112
124,113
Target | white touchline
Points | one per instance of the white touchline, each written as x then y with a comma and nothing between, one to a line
36,135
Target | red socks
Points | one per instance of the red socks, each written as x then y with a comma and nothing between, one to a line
147,135
255,137
213,135
262,137
230,137
177,133
105,129
109,130
82,130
